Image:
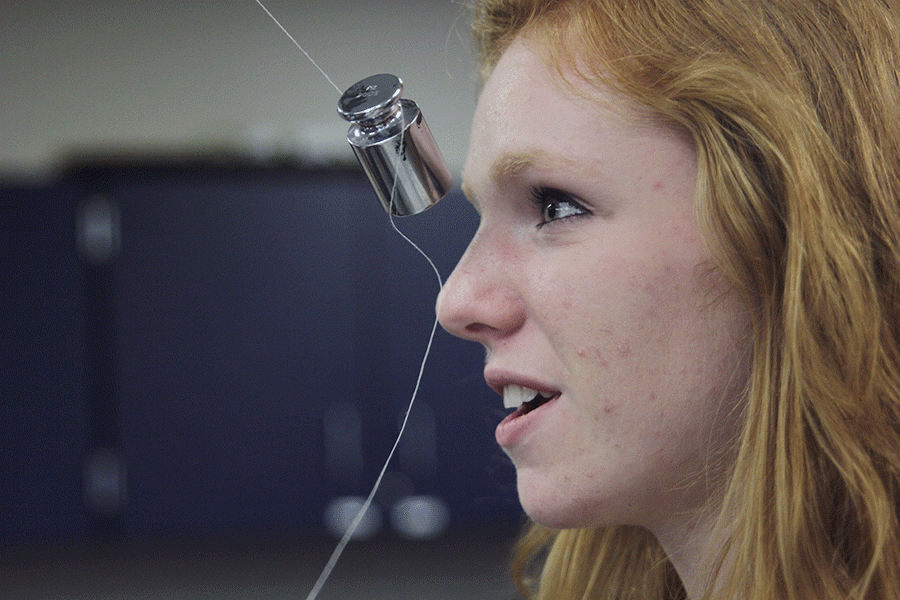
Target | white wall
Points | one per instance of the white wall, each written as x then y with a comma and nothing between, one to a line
175,76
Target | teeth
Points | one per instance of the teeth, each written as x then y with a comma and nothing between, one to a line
515,396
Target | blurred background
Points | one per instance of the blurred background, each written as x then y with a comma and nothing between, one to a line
209,331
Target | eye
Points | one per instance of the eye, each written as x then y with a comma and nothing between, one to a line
555,205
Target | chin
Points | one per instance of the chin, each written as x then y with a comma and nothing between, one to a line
552,506
560,503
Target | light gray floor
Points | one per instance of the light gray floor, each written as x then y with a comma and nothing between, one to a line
455,567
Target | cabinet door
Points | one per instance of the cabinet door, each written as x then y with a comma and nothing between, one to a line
42,421
236,325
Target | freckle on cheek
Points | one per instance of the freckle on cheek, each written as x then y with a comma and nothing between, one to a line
595,354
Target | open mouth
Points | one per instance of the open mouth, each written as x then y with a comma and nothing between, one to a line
524,399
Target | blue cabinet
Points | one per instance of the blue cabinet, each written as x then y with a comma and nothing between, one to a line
260,334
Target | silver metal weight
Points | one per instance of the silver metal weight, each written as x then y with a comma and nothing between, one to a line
394,145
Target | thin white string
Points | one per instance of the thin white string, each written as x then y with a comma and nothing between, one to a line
326,572
299,46
332,562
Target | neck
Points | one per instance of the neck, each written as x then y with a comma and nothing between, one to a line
693,545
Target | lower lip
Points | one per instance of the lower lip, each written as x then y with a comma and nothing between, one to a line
515,427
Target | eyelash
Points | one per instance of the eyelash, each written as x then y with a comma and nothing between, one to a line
546,198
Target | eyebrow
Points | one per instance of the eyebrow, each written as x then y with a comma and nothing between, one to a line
511,164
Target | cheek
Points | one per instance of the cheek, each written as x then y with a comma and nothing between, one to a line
649,329
613,314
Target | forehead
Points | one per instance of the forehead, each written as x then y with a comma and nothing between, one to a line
530,111
528,75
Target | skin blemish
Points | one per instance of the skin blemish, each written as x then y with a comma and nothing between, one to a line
594,353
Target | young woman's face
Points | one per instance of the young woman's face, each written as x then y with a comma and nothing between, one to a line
589,284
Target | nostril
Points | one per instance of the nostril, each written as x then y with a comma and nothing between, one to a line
478,328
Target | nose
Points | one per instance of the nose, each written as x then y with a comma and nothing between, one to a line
480,301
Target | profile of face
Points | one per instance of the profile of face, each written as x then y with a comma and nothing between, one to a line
590,286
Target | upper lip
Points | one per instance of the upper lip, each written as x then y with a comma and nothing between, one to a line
497,379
